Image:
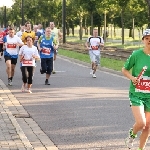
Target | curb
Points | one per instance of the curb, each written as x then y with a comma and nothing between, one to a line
28,130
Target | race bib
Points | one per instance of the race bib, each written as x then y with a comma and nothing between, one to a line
11,46
27,63
94,47
46,51
143,86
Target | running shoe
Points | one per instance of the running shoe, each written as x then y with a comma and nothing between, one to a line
130,139
91,71
47,82
29,91
9,82
23,88
42,71
53,71
93,75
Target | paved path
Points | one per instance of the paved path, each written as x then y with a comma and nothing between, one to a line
76,112
19,133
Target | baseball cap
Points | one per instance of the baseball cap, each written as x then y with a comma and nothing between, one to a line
146,32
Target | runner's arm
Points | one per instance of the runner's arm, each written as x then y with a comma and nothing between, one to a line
127,74
20,43
60,35
20,54
87,45
55,44
38,43
23,37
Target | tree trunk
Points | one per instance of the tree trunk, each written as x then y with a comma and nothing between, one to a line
73,30
148,3
133,28
91,31
80,31
67,27
122,22
114,30
98,30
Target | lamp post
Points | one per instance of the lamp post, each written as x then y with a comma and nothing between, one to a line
5,17
64,20
5,5
22,12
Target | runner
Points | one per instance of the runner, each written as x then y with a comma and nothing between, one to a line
46,46
95,42
58,35
40,29
2,34
28,53
28,32
19,33
7,30
139,93
11,45
37,34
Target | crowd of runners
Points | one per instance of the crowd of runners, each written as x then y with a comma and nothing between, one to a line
28,46
39,44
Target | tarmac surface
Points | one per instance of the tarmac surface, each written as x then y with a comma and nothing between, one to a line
76,112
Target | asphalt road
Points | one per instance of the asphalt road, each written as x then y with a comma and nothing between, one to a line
77,111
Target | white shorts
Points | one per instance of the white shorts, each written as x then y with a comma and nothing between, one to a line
94,58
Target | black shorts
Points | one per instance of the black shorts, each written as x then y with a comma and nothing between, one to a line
1,47
47,65
13,60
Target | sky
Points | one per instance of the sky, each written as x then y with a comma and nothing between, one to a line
7,3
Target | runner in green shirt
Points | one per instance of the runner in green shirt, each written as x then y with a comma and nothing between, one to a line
139,92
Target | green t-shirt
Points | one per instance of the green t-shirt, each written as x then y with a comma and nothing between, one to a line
137,60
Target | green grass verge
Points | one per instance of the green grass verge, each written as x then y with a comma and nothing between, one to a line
105,62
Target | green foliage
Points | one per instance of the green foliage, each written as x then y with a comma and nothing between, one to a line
43,11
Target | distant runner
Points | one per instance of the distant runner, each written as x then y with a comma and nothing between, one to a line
58,36
94,44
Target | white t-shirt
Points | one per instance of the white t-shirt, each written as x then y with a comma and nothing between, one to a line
19,34
28,54
11,44
94,46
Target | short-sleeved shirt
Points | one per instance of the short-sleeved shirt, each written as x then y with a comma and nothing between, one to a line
27,53
2,35
93,44
25,34
19,34
37,36
137,60
47,46
11,46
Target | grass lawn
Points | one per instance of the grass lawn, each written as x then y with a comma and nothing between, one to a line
105,62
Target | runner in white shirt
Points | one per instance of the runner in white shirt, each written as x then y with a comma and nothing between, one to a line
19,33
11,45
95,42
28,54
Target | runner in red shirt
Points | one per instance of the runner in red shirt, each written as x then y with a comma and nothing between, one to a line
2,34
